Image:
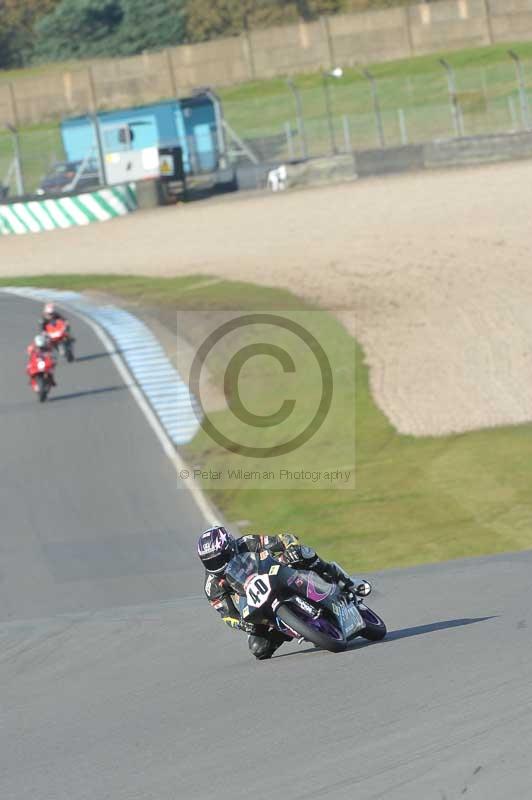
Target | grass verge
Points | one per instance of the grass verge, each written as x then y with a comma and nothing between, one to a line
416,499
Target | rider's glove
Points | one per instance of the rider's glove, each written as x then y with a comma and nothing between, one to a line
292,549
239,624
289,540
292,555
233,622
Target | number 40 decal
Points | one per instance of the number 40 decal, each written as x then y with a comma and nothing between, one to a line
258,590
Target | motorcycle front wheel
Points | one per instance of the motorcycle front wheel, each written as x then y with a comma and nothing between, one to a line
42,388
375,629
318,631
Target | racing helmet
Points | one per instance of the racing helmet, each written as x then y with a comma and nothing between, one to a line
49,311
40,341
216,548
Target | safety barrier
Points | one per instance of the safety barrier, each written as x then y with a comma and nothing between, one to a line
457,152
35,216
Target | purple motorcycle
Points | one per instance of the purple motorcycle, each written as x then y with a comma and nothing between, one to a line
300,604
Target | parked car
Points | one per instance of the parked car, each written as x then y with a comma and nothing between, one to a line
65,176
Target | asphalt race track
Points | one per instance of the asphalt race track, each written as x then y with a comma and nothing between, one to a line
117,682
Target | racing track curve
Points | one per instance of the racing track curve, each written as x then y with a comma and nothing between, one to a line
117,682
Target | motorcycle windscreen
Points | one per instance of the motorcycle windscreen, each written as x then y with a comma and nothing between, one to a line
239,569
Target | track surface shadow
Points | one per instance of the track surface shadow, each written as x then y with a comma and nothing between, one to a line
400,633
419,630
94,356
86,393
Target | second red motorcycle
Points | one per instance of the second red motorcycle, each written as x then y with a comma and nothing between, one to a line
58,332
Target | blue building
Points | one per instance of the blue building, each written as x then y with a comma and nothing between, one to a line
129,139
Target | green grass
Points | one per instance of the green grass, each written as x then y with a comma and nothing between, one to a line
416,499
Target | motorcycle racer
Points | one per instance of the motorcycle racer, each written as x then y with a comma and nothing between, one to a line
216,548
57,328
41,346
50,314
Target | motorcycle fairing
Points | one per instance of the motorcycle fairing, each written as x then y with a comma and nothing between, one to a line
305,583
328,595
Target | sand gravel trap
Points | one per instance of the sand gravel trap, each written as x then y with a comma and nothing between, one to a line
432,272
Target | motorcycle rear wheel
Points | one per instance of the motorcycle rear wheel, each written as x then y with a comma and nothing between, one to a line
297,622
375,629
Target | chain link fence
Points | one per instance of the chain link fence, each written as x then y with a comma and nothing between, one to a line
38,151
343,114
307,117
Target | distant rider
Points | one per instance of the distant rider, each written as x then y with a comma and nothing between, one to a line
216,548
41,347
50,314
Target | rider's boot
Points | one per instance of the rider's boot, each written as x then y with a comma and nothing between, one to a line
362,589
357,589
264,646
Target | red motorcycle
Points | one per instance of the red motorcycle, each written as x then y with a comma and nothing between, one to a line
40,369
58,332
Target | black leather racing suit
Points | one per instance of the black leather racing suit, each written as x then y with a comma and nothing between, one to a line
285,548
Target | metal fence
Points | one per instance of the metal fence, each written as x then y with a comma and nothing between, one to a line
38,150
340,112
356,112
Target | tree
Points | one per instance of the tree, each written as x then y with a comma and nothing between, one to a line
78,29
150,26
54,30
85,28
17,19
208,19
